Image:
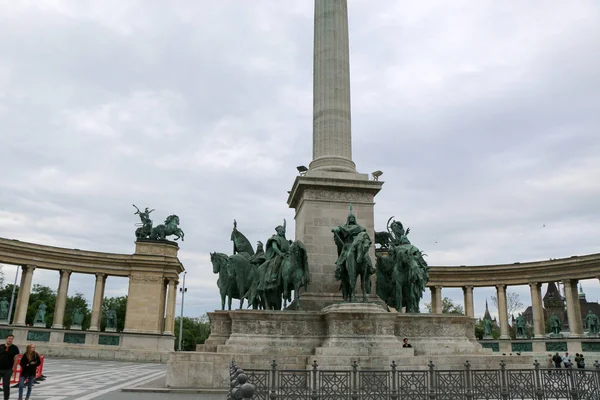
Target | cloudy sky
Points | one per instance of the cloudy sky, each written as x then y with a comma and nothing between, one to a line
483,117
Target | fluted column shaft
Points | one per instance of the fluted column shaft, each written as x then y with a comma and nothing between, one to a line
573,308
332,145
468,300
97,304
502,311
61,299
171,301
539,327
436,299
24,291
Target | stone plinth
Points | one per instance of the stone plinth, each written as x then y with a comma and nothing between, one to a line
321,200
156,247
334,337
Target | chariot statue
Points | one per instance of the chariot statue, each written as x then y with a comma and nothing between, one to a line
146,230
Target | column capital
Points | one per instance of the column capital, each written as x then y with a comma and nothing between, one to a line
468,287
28,267
534,284
501,286
100,275
65,272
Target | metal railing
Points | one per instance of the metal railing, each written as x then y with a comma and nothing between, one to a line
426,384
240,388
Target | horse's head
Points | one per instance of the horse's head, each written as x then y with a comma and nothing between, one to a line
172,220
218,261
362,244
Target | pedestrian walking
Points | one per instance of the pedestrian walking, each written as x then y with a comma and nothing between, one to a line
29,363
8,360
581,362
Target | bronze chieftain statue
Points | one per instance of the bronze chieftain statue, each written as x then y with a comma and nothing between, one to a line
264,278
403,273
353,243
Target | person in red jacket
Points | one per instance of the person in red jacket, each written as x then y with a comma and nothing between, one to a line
29,363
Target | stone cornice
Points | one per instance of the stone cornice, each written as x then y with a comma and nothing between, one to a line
82,261
575,267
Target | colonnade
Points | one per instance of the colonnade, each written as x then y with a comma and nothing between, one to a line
539,331
166,304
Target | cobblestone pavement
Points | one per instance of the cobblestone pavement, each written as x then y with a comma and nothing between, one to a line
68,379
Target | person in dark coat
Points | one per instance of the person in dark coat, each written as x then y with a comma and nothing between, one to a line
29,363
557,360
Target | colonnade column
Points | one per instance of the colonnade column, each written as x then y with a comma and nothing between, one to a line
502,313
573,309
23,298
436,299
468,296
61,299
171,301
539,327
97,304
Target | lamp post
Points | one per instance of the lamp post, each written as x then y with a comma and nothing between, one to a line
12,297
182,289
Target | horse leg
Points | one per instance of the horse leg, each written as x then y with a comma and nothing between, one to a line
363,284
229,303
222,302
297,294
241,303
351,267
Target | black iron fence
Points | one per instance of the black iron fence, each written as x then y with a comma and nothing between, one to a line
429,384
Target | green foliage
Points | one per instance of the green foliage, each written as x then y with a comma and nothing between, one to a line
74,302
448,307
479,330
6,292
40,293
195,331
119,304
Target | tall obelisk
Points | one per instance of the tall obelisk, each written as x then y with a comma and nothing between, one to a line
322,196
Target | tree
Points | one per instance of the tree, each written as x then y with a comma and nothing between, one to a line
513,302
119,304
40,293
195,331
448,307
479,330
77,301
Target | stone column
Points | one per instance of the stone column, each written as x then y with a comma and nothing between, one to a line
172,300
539,327
436,299
573,309
332,145
23,298
502,312
468,297
97,304
61,299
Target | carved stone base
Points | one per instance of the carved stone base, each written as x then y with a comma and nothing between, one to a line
75,327
110,329
39,324
555,335
334,337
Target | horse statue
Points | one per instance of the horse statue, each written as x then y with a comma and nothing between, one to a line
403,273
358,264
170,227
294,272
236,275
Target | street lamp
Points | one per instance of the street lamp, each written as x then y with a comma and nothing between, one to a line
182,289
12,297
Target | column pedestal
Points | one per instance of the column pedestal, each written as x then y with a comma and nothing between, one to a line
436,300
322,201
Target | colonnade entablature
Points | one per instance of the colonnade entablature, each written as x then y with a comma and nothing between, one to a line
569,271
153,272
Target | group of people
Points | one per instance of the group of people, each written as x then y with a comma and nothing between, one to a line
30,360
565,361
